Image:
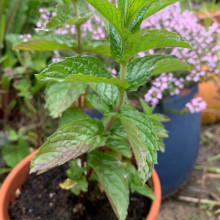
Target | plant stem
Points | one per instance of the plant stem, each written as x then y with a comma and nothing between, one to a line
121,96
78,28
13,11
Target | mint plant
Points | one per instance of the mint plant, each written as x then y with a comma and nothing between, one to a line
120,150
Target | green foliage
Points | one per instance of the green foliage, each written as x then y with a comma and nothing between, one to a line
142,138
80,68
97,47
123,132
97,103
108,170
64,17
76,180
157,6
135,183
67,143
108,93
140,69
14,153
60,96
110,12
43,44
150,39
70,115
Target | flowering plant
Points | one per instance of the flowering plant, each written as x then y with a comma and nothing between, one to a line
204,58
105,147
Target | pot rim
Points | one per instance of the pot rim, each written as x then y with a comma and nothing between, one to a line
7,190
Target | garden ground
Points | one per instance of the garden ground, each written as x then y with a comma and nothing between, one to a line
203,184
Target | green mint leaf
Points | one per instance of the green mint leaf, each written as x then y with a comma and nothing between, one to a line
67,143
108,93
80,185
14,153
146,108
111,177
63,15
43,44
136,12
150,39
159,129
170,65
144,190
97,103
123,7
97,47
142,138
80,68
109,12
70,115
60,96
135,183
116,43
159,117
121,146
140,69
75,173
119,140
157,6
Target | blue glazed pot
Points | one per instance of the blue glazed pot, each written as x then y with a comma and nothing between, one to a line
93,113
182,146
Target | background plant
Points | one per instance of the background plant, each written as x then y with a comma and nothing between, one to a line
204,58
20,93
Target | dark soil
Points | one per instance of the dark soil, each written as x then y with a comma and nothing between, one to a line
43,199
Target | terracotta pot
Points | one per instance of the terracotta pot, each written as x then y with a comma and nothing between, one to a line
209,92
20,173
214,16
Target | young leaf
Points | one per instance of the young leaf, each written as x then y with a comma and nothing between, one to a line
136,12
61,18
119,141
159,117
14,153
43,44
97,103
146,108
121,146
97,47
71,115
60,96
123,6
110,12
142,138
140,69
77,181
116,43
64,17
110,175
144,190
108,93
157,6
149,39
135,182
80,68
67,143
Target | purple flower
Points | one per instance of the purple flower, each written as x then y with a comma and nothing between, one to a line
153,96
196,105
